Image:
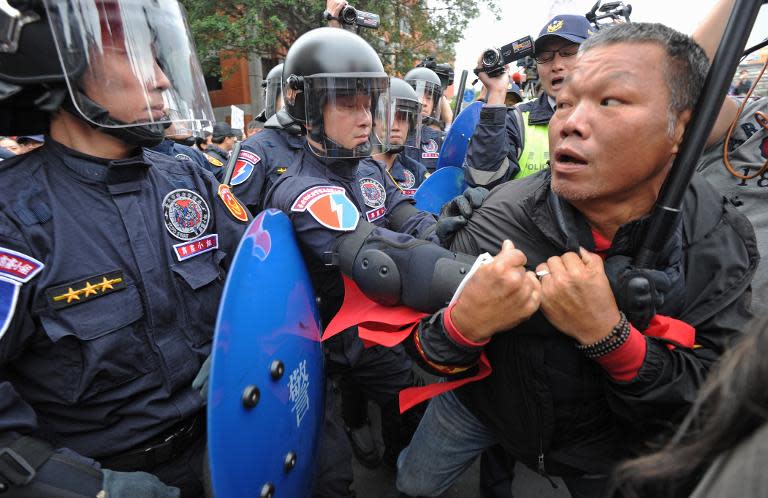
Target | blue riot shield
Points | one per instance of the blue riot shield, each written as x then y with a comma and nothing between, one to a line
457,139
441,186
265,400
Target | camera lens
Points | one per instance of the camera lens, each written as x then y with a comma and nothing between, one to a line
491,57
349,15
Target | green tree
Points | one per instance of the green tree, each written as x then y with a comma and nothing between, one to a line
409,31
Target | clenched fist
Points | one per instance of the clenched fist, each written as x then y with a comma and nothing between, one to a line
499,296
577,297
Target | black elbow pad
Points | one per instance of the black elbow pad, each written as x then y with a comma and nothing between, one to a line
419,274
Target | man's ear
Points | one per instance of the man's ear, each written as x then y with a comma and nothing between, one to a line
680,126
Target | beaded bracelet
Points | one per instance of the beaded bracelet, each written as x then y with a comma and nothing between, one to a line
613,341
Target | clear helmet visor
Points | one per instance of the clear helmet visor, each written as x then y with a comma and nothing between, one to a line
133,58
405,127
348,115
272,98
429,95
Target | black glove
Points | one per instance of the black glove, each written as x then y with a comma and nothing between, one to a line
456,213
133,484
200,382
641,293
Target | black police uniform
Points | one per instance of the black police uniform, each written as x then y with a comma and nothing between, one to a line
116,268
217,159
183,153
263,158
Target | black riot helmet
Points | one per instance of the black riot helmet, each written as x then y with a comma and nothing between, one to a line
427,85
405,130
334,85
126,67
272,85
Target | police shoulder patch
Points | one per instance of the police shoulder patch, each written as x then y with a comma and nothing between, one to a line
87,289
183,157
244,166
329,206
18,267
213,160
232,204
9,296
15,269
186,214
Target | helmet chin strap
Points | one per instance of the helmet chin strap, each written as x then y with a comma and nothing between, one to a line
335,150
147,135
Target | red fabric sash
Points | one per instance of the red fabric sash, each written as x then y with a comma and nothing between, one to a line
388,326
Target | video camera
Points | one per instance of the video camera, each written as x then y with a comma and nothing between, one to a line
352,16
443,70
615,11
494,59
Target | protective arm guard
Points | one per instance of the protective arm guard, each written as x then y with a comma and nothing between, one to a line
30,468
399,269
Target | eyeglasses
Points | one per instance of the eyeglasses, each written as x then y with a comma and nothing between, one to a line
548,55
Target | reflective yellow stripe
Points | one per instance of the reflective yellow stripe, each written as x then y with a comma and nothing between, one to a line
536,151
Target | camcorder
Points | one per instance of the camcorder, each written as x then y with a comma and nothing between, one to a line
443,70
615,12
494,59
352,16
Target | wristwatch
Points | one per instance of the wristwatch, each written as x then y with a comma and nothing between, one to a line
328,16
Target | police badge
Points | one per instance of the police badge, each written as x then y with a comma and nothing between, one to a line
186,214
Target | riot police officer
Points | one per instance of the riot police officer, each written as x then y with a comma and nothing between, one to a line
111,256
405,133
334,85
272,96
427,85
268,154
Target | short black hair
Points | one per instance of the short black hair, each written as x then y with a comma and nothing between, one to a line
687,63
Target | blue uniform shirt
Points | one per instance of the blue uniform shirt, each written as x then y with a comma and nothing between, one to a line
429,150
263,158
407,174
326,198
110,278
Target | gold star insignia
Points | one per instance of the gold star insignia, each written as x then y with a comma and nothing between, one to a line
85,290
71,295
107,284
281,170
90,289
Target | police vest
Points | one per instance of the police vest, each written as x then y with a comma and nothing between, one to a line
535,155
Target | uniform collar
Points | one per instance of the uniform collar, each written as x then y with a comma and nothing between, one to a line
345,169
98,169
540,110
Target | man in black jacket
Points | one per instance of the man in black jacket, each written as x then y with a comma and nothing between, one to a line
587,379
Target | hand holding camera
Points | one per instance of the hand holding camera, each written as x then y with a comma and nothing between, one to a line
342,12
493,60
